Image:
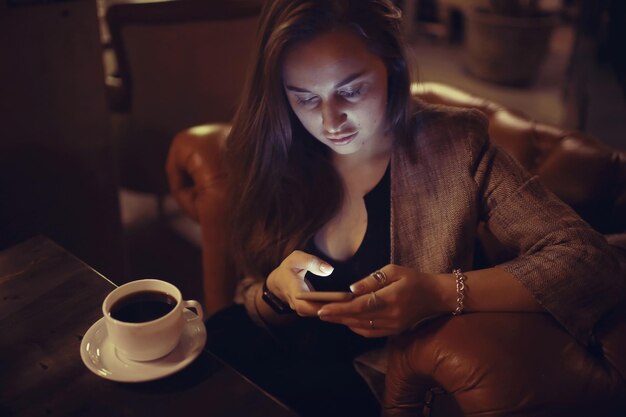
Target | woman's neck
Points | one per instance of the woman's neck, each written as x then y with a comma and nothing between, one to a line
362,171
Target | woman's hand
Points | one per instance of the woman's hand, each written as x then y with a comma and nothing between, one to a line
288,280
396,301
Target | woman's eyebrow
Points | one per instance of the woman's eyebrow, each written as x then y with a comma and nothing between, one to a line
341,83
350,78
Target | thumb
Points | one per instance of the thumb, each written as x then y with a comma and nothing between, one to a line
302,262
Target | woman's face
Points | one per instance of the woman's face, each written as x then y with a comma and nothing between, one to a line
338,90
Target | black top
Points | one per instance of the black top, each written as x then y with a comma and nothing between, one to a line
375,248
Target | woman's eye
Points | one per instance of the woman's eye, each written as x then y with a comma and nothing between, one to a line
350,93
306,101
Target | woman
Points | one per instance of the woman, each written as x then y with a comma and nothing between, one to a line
338,182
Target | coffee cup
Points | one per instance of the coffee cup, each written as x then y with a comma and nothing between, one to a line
144,318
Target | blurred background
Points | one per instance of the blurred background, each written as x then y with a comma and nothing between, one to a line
92,93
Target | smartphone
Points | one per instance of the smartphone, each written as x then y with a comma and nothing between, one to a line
326,296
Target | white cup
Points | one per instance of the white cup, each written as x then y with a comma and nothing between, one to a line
147,340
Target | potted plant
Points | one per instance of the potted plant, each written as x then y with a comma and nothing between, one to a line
507,41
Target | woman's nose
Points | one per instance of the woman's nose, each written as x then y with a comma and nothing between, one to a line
333,118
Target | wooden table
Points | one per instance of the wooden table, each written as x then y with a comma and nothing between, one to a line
48,300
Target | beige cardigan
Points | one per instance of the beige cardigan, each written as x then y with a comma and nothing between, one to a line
456,179
451,178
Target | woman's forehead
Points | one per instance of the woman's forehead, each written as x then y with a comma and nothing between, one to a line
331,55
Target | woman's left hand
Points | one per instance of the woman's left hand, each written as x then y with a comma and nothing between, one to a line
391,303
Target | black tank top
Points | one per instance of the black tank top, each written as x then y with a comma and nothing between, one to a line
374,251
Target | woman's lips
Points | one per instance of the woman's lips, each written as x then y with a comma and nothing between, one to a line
342,139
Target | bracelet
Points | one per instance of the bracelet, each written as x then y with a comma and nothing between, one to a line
460,278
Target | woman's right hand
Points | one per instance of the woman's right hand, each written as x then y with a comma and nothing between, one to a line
288,279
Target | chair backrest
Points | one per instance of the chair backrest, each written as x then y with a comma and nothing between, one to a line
181,63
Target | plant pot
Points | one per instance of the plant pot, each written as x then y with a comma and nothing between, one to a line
507,50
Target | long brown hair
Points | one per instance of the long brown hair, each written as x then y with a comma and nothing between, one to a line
283,187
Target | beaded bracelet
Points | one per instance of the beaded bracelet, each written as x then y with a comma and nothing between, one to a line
460,291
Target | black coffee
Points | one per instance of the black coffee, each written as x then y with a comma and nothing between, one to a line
142,306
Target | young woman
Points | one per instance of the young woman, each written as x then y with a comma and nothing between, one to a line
337,181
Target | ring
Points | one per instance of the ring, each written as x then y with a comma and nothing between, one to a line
380,276
371,324
372,302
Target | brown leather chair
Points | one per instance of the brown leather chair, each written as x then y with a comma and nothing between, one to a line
481,364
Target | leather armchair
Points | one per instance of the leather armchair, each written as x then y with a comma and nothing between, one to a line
487,364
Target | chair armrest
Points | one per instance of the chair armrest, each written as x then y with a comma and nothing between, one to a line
488,364
194,166
198,182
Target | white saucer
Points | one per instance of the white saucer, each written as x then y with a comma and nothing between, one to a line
101,357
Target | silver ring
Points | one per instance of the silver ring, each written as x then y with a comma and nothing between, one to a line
380,276
371,324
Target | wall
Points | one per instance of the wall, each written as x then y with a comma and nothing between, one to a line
57,166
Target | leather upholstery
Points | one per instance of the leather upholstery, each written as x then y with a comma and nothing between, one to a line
487,364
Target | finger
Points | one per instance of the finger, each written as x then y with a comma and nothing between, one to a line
295,287
362,305
371,333
302,262
306,308
374,281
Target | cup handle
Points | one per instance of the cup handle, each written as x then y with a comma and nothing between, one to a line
194,305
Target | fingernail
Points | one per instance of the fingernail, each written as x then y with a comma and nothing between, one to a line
322,312
355,288
324,267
